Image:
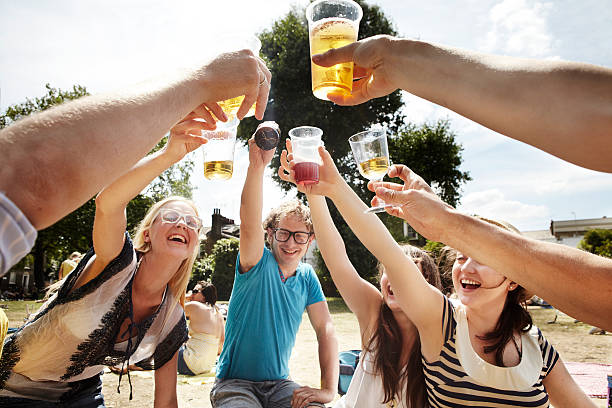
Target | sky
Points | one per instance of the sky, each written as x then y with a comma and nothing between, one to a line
105,45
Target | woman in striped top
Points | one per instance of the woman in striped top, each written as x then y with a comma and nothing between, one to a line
484,351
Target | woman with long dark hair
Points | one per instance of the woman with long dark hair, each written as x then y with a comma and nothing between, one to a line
390,372
481,351
123,303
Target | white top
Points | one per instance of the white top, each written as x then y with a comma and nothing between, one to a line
201,352
366,389
72,337
520,377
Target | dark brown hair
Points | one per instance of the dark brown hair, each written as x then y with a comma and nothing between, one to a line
386,343
209,292
514,316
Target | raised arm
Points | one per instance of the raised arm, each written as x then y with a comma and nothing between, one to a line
105,135
110,220
251,203
360,295
574,281
561,107
421,302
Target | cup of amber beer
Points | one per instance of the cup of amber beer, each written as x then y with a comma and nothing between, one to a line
235,43
305,141
219,151
332,24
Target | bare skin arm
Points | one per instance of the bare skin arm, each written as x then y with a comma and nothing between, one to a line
319,316
165,384
251,203
574,281
561,107
54,161
110,221
361,297
562,389
421,302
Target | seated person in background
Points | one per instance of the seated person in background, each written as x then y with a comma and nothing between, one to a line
206,331
68,265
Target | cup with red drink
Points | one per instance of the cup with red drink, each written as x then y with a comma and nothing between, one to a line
305,141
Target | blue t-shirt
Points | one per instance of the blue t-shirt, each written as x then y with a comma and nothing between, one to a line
263,319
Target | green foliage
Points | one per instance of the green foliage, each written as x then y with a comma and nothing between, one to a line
434,248
431,151
202,270
174,181
597,241
222,261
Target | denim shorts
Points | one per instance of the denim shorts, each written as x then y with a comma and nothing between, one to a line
84,394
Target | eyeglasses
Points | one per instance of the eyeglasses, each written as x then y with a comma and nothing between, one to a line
173,217
283,235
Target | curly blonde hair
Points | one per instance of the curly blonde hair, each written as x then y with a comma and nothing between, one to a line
294,208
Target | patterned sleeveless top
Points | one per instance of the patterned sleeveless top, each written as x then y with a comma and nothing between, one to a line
461,378
72,337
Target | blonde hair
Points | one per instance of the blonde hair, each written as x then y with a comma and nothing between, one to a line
178,282
294,208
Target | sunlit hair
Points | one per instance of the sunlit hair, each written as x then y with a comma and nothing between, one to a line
514,317
292,208
178,283
386,343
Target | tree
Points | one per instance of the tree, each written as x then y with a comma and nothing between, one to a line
223,262
597,241
73,232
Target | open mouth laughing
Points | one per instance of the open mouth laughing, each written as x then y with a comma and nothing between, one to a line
469,284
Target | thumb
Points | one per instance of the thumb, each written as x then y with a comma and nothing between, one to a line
336,55
397,198
325,156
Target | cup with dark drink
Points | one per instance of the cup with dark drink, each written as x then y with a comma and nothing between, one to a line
305,141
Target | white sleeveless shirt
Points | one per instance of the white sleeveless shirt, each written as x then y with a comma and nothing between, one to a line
366,389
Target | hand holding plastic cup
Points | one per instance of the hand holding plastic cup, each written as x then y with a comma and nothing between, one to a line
236,43
219,151
305,141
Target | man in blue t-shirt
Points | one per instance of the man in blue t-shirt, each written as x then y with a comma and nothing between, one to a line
272,288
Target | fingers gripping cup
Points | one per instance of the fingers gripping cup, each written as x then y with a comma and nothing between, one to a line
332,24
219,151
236,43
305,141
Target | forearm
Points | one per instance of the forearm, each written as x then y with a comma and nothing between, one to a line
328,358
119,193
165,384
574,281
67,154
329,241
251,201
564,108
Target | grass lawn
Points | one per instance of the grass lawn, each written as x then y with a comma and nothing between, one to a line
571,340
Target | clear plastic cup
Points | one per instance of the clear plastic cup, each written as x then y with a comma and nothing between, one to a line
305,141
218,153
332,24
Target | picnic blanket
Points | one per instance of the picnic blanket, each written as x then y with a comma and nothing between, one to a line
591,377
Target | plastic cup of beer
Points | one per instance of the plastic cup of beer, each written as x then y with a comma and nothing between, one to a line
305,141
219,151
235,43
332,24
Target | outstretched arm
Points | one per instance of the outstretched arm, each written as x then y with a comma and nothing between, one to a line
574,281
319,316
561,107
421,302
251,203
165,384
110,220
54,161
562,389
360,296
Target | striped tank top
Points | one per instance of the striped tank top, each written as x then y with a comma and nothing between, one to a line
461,378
